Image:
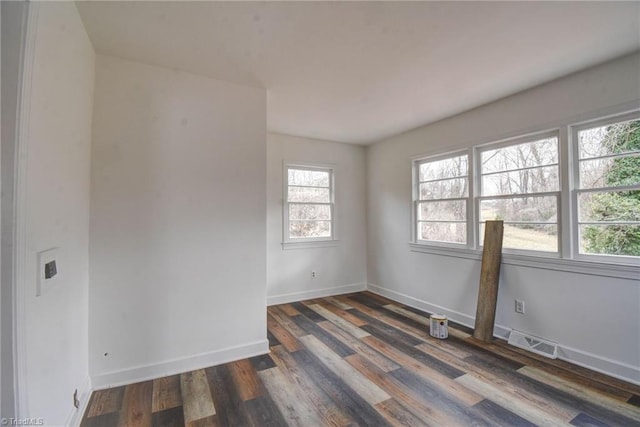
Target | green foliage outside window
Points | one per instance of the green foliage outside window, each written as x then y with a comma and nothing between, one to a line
618,206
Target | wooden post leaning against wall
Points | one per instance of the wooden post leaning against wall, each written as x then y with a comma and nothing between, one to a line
489,277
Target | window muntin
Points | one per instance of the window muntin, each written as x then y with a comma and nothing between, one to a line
309,204
518,181
519,184
608,188
524,168
441,204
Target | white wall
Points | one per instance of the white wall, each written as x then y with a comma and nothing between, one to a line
340,267
595,319
178,249
57,213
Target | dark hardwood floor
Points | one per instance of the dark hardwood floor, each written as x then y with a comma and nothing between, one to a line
360,359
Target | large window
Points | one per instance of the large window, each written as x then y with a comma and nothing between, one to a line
572,193
308,211
441,201
607,182
519,184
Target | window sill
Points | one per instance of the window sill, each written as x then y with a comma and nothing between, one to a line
309,244
622,271
446,251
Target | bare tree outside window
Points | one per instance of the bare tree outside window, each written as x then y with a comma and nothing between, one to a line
309,210
518,181
441,208
520,185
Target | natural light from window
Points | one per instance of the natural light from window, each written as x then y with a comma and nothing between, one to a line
520,185
441,209
609,189
309,210
571,193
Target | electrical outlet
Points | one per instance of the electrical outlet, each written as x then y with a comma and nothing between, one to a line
313,274
519,306
76,401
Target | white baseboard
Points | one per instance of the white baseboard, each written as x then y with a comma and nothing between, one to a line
84,393
461,318
591,361
613,368
176,366
315,293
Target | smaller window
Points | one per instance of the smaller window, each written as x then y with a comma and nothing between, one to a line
607,183
308,211
441,199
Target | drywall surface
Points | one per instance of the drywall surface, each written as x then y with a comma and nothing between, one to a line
55,346
340,266
595,319
178,250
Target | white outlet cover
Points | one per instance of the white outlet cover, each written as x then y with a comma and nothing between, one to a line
44,257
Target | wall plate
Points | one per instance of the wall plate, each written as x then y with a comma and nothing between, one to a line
48,270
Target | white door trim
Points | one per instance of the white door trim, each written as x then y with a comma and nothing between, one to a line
21,257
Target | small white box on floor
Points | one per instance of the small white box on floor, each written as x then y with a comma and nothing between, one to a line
439,326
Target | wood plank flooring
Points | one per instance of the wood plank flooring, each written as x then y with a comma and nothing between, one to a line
360,359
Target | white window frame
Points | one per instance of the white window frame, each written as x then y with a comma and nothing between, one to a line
569,259
477,180
576,190
416,162
307,241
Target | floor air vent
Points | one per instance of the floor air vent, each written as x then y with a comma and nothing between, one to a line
534,344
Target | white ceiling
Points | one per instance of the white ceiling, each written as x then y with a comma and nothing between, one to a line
361,71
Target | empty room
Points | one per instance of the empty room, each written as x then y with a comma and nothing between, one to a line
320,213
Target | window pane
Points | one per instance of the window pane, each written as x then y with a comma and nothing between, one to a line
609,206
593,173
305,229
308,178
447,189
529,154
315,212
535,237
610,172
611,139
309,194
614,215
452,232
528,209
455,210
446,168
537,180
610,239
